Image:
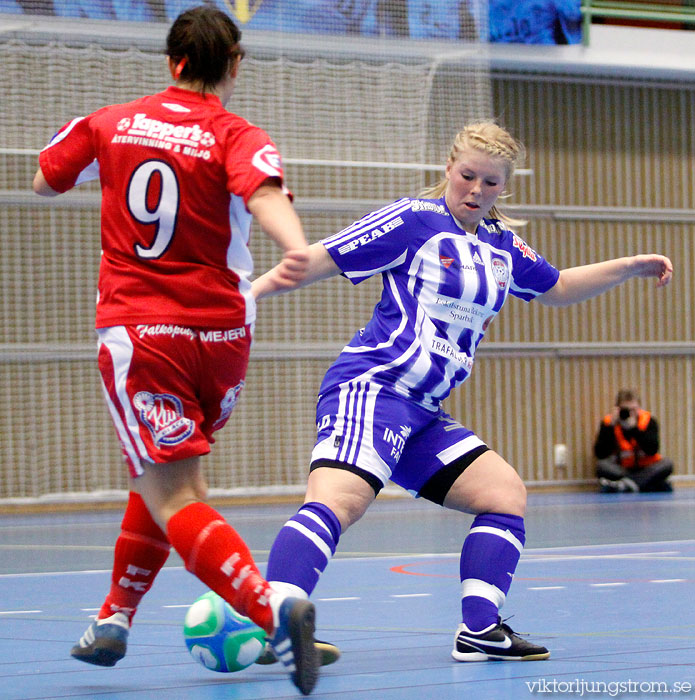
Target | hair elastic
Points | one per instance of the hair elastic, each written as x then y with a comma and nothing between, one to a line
179,67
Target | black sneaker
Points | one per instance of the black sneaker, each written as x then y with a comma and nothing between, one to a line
105,641
293,640
495,642
328,654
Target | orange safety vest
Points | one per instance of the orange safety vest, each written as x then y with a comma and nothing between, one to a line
629,449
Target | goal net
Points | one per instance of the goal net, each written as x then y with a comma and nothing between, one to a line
360,119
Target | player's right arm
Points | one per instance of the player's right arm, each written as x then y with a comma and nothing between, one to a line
41,186
370,245
315,262
67,160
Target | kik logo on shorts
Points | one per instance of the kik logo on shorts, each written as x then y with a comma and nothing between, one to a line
227,404
163,416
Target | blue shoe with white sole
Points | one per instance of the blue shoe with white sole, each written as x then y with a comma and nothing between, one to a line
293,641
105,641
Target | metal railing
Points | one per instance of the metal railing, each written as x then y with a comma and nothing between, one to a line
649,12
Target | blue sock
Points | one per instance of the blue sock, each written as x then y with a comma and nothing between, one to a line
304,546
488,561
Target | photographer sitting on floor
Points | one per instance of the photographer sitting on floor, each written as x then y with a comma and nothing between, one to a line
627,449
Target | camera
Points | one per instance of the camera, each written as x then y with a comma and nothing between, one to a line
624,413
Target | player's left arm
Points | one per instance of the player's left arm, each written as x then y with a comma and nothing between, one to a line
577,284
273,210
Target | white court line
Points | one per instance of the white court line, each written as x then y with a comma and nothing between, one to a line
41,574
332,600
607,585
546,588
19,612
411,595
668,580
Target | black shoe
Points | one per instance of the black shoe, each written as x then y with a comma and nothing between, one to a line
105,641
495,642
328,654
293,641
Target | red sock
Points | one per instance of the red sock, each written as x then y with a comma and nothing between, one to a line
214,552
140,552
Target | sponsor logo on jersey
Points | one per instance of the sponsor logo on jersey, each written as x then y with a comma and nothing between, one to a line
500,271
424,205
469,313
141,130
524,247
163,416
371,236
448,262
207,139
443,348
477,259
491,226
227,404
268,161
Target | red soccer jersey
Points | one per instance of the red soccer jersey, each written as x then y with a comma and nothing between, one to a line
176,171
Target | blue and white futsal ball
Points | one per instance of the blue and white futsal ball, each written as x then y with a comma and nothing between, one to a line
218,637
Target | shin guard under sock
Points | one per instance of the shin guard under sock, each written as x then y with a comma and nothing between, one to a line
304,546
140,552
489,558
214,552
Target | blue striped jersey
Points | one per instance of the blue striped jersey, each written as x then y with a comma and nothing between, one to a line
442,287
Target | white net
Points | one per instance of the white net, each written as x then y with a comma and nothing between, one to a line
359,122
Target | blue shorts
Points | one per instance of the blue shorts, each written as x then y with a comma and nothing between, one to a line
380,435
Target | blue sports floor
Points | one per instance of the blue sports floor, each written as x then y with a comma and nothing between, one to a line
605,582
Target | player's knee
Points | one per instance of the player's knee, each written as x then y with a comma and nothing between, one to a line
348,508
346,494
517,499
507,497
